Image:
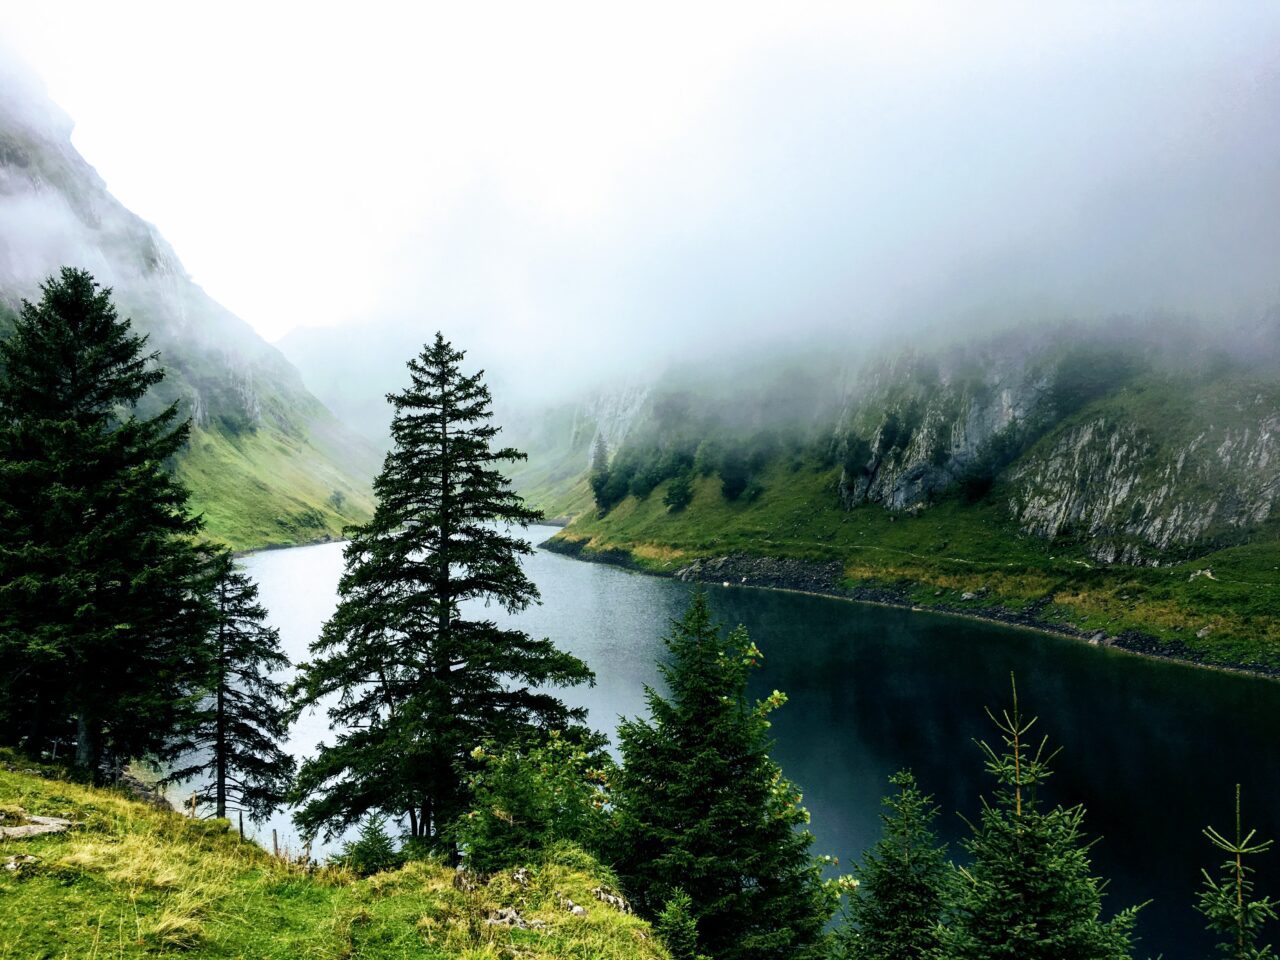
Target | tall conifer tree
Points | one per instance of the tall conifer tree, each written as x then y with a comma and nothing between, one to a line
1029,893
101,624
701,807
904,882
420,675
599,475
234,738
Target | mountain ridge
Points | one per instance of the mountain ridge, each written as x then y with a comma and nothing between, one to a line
267,464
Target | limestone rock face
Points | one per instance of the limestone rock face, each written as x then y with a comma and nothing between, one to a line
923,427
1146,469
1136,499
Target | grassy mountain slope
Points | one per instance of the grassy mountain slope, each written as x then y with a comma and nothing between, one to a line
957,557
268,463
132,881
1081,491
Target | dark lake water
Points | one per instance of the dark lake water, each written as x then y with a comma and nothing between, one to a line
1153,750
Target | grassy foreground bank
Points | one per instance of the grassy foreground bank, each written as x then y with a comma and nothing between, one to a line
1222,608
133,881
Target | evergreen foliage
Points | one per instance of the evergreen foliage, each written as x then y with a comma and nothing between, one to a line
372,852
526,801
236,733
420,677
677,928
1029,893
102,623
735,474
700,806
599,476
679,493
1228,902
903,884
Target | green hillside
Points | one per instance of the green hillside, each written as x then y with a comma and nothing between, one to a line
266,488
937,558
1090,484
130,881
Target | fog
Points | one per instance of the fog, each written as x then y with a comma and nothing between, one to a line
577,195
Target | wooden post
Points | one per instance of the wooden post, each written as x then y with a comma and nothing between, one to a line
275,843
193,804
241,814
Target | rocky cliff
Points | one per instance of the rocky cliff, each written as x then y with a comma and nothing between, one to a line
1094,438
1139,443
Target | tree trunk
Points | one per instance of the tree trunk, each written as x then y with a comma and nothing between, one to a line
220,736
87,749
220,787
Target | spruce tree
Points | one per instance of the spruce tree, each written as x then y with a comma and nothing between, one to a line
101,621
677,929
903,884
235,734
1028,893
701,807
419,675
1229,903
599,475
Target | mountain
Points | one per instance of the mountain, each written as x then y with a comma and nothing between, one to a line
1117,480
267,462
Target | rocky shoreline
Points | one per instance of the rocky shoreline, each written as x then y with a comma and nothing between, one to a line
824,578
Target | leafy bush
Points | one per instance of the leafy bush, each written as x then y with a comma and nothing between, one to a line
526,801
1087,373
734,475
857,456
679,493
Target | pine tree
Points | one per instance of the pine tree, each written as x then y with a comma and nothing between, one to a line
1228,903
234,737
420,676
677,929
1029,893
679,493
373,851
101,621
903,884
700,806
599,475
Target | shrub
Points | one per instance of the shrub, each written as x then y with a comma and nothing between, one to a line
372,852
679,493
527,801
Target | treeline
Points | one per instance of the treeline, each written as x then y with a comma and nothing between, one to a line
738,431
123,633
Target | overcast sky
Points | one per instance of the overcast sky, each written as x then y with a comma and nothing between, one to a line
543,174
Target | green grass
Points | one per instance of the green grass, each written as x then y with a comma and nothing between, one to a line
953,548
132,881
265,487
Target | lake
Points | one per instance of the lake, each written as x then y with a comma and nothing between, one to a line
1152,749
